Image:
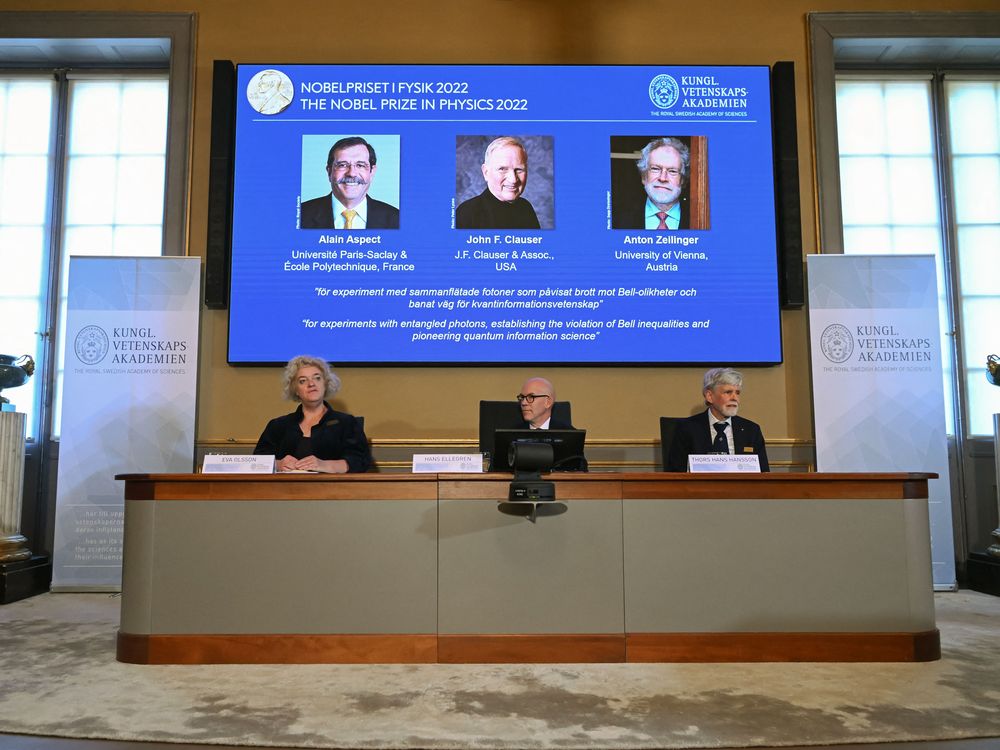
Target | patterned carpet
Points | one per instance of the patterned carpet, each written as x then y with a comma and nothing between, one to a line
59,677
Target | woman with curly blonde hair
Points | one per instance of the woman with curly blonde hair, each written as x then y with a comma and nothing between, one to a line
314,437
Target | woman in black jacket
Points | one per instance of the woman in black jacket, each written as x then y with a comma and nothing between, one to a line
314,437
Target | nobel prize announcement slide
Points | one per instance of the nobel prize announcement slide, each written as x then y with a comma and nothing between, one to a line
493,215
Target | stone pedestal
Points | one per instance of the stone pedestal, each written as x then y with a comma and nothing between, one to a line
13,546
22,574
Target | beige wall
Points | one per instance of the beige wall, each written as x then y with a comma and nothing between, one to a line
441,403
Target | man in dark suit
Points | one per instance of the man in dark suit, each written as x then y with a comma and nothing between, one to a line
663,166
717,429
350,166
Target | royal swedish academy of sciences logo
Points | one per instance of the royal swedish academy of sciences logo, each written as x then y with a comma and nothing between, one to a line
836,343
664,91
91,345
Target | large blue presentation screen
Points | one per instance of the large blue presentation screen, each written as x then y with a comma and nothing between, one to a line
433,214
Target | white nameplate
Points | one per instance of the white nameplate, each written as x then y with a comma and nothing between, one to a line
238,464
447,463
724,462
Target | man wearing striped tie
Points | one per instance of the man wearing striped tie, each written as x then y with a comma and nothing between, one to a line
664,165
351,166
717,429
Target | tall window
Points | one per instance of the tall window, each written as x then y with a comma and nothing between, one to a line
895,169
26,105
97,190
974,127
115,161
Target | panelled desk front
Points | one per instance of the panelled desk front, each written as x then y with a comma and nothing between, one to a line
424,568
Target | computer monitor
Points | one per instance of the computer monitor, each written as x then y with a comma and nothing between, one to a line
496,415
567,447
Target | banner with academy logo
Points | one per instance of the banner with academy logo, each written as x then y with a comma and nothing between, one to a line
878,390
128,403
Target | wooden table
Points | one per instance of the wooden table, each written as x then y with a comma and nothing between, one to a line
425,568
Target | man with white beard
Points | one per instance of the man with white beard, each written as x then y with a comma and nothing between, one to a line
664,166
717,429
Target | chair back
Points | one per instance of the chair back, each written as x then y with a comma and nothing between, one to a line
668,426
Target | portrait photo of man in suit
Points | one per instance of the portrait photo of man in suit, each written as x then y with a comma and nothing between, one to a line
718,429
671,190
351,166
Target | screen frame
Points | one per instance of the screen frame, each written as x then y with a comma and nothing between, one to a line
541,362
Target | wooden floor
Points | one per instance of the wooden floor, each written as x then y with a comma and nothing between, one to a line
25,742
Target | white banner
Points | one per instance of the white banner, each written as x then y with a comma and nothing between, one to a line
128,404
878,389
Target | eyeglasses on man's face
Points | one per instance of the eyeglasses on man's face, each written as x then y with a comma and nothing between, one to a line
661,172
530,397
341,166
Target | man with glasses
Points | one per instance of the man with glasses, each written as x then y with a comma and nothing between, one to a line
536,398
350,167
664,165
